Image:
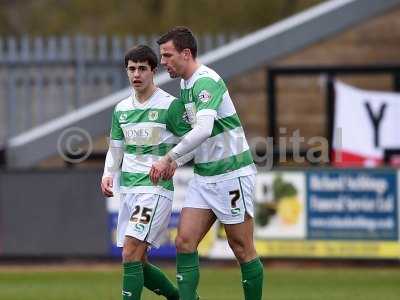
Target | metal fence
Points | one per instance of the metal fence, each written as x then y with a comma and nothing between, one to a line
42,78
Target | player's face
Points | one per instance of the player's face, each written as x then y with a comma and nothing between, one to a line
140,75
172,60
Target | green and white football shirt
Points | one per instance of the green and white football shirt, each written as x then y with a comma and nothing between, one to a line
225,154
147,131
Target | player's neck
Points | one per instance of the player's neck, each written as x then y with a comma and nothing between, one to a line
143,96
191,68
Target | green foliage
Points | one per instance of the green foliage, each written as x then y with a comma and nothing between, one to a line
55,17
282,188
264,214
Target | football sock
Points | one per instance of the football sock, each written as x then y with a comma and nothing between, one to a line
132,283
252,279
156,281
187,265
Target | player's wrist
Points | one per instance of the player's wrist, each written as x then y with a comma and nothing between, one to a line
107,175
171,157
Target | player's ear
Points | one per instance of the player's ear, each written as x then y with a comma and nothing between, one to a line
186,53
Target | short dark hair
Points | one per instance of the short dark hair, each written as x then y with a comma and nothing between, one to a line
182,37
141,53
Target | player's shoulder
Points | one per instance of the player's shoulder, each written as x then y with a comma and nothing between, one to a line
203,76
163,99
206,77
124,105
205,73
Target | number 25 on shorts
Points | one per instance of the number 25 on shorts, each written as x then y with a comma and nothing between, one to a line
141,215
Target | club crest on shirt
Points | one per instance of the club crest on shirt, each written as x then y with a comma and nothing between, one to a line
153,115
123,117
204,96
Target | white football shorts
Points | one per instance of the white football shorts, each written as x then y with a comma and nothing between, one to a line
230,199
144,217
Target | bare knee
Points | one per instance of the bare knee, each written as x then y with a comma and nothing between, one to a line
244,251
133,251
238,249
185,244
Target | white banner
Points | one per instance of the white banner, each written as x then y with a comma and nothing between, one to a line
369,124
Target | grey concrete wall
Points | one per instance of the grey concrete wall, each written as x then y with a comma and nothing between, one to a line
52,213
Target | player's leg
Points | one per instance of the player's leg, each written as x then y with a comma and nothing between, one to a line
132,253
156,281
193,226
240,239
143,220
236,205
158,209
195,221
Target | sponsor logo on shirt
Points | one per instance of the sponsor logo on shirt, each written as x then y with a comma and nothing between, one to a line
141,135
204,96
191,112
138,133
139,227
153,115
185,118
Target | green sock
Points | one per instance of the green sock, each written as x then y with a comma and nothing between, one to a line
132,283
156,281
187,266
252,279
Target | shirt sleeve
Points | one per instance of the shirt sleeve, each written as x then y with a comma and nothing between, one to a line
116,130
181,161
115,152
113,161
208,95
201,131
177,121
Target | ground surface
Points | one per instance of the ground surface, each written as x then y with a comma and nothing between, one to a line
94,282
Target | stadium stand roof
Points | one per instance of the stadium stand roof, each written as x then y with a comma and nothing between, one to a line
251,51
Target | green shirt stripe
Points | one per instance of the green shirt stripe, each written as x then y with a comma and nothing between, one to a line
225,165
116,131
139,179
159,150
226,124
156,115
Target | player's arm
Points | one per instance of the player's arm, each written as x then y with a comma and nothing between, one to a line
201,131
207,98
111,167
183,160
114,157
179,125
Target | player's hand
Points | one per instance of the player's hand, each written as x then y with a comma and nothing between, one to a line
158,169
170,171
106,186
